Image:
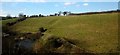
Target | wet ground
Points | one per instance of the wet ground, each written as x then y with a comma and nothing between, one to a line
13,45
23,44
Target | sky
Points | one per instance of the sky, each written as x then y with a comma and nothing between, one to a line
46,8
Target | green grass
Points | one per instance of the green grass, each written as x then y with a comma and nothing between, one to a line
98,32
4,22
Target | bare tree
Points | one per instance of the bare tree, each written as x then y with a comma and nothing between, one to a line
59,13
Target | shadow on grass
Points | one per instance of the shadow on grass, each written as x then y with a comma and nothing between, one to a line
56,46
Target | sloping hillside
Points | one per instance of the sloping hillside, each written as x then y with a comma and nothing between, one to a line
97,32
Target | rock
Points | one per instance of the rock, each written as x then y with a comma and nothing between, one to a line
6,35
22,38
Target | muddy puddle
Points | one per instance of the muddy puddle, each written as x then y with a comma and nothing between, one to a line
26,43
13,45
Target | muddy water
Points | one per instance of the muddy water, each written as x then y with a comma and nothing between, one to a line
26,43
10,46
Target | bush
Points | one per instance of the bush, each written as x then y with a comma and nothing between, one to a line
11,23
42,29
54,42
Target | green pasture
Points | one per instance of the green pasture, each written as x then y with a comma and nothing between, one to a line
97,32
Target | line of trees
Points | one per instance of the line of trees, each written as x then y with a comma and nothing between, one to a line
88,13
60,13
7,17
21,15
40,15
26,16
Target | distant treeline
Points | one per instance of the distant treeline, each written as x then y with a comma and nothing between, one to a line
88,13
4,18
20,16
60,13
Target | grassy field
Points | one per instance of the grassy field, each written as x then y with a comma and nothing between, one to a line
97,32
4,22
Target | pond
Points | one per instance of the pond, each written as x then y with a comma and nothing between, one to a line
26,43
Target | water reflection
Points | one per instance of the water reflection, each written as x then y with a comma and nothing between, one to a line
26,43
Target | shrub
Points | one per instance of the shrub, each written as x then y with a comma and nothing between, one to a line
54,42
42,29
